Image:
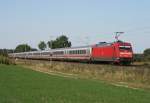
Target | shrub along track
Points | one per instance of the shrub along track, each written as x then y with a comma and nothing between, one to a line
128,76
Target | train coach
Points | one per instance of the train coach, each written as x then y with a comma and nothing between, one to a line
116,52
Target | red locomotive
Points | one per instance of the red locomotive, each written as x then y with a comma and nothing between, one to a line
116,52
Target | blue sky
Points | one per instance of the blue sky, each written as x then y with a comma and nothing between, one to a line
83,21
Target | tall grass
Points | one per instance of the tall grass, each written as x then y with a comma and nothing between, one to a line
135,76
5,60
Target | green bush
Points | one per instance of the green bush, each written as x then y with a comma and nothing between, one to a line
146,54
138,57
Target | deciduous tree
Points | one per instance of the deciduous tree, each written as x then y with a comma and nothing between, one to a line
42,45
60,42
23,48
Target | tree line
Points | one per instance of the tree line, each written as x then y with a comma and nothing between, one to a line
60,42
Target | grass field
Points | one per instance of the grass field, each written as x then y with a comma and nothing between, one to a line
20,85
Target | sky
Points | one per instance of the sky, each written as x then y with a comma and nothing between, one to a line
85,22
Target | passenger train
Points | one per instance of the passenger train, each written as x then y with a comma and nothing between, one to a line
116,52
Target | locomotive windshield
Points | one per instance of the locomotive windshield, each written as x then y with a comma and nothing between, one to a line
122,48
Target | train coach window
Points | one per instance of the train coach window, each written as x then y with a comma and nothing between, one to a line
70,52
30,54
83,52
73,52
36,53
58,53
78,52
46,53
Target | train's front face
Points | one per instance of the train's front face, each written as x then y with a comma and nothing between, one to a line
125,53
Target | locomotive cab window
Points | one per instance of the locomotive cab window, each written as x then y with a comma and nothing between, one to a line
122,48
